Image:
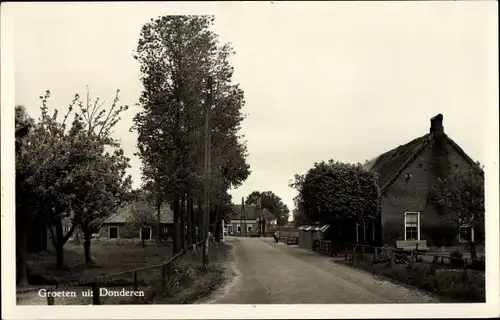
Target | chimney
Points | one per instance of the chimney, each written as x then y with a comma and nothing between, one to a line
437,124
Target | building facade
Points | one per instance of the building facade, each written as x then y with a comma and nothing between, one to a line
122,225
406,176
244,220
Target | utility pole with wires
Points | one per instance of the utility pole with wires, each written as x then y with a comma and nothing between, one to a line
242,212
206,189
259,203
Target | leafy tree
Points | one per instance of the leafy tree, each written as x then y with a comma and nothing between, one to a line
461,195
25,207
299,214
142,215
50,156
101,183
176,54
271,202
337,193
73,176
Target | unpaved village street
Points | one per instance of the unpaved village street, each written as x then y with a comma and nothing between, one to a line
274,273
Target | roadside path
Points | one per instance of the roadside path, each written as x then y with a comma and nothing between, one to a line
274,273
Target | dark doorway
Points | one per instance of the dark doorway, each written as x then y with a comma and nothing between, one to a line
113,232
146,233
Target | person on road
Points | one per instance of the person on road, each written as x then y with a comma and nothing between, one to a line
275,235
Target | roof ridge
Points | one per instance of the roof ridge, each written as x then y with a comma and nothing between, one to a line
460,150
399,146
408,161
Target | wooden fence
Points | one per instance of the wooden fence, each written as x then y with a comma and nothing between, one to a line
289,240
393,255
165,270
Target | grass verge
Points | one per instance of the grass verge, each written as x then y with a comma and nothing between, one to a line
191,281
454,285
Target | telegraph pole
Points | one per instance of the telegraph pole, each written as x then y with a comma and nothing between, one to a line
244,216
261,217
206,213
241,218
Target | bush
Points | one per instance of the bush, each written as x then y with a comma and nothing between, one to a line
467,286
401,258
456,259
479,264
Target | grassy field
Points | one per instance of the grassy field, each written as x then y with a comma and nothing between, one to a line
109,256
188,282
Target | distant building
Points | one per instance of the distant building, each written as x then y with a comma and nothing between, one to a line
119,225
244,220
406,176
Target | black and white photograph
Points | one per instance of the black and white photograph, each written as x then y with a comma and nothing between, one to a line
250,159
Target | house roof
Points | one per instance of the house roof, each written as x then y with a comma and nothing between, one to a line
392,163
321,228
124,214
251,212
389,164
268,215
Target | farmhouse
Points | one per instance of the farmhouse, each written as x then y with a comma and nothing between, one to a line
244,220
406,176
121,224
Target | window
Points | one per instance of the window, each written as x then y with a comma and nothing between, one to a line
165,230
113,232
145,233
412,226
239,229
465,234
249,229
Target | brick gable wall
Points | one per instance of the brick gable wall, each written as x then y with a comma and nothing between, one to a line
412,195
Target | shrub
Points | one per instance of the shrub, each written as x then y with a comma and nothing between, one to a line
401,258
382,258
456,259
467,286
479,264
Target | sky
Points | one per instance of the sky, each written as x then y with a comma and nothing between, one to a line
322,80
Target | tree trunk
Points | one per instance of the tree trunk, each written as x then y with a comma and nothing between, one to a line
176,238
200,218
58,244
189,220
158,220
60,256
473,254
86,247
59,239
22,264
216,224
193,221
218,231
183,221
77,238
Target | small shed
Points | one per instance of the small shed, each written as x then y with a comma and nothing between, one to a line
309,234
305,237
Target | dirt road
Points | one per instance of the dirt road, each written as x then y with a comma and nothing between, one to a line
271,273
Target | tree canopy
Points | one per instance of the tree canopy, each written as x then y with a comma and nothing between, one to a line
332,191
461,195
271,202
177,54
68,170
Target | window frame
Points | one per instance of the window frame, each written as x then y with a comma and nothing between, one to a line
109,232
150,232
418,224
465,225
